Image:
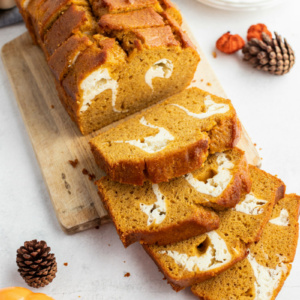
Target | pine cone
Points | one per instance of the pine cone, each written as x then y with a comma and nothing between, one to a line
270,55
36,265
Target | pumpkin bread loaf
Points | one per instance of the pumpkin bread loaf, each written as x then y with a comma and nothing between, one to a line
170,212
197,259
111,58
168,140
261,275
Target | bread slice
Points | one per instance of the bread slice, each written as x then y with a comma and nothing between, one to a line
64,58
220,182
23,9
200,258
262,274
247,219
168,140
170,212
43,13
75,20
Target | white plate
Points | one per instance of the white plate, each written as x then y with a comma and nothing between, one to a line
241,4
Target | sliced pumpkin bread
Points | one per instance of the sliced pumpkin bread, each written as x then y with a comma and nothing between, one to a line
262,274
170,212
200,258
168,140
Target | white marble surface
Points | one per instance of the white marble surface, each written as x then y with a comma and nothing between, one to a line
268,107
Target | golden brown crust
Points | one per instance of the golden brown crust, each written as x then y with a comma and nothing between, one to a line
156,37
64,27
64,57
132,20
228,128
102,7
171,10
91,59
178,32
239,185
158,169
199,222
32,22
163,168
48,12
179,284
27,19
65,100
279,192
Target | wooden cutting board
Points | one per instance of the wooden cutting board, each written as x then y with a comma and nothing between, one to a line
56,139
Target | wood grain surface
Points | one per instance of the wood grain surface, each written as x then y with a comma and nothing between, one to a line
56,139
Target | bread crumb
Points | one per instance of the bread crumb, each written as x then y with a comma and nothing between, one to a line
127,274
108,245
66,264
124,261
74,163
202,80
255,144
52,106
86,172
92,177
214,54
260,148
97,227
194,80
209,84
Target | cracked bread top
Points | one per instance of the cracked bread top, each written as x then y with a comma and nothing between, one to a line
141,27
103,7
75,20
65,57
55,21
144,18
45,13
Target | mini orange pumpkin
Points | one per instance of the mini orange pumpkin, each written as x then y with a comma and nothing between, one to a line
20,293
255,31
229,43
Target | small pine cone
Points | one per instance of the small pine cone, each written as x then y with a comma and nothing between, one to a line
36,265
270,55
